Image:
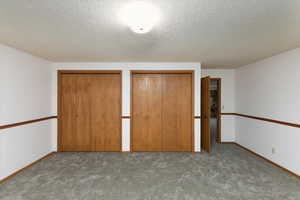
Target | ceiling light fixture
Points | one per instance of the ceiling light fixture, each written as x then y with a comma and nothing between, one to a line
140,16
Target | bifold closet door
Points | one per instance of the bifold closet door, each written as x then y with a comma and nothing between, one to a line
177,112
162,112
90,111
146,112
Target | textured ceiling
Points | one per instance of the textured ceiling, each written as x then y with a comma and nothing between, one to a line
219,33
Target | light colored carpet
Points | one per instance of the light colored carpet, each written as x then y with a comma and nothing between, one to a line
228,173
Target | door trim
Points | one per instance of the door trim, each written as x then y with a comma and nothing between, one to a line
59,94
205,114
192,72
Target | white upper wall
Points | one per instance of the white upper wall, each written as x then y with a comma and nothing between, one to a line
270,88
25,86
227,84
126,67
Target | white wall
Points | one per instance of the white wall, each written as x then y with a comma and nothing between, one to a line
25,88
270,89
126,67
228,100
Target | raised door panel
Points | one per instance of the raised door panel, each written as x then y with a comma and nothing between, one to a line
146,112
177,112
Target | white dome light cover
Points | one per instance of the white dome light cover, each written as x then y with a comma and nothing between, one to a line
140,16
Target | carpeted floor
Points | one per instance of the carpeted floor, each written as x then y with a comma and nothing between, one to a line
227,173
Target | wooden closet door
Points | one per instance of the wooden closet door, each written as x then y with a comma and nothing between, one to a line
75,118
90,112
177,112
105,109
146,112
